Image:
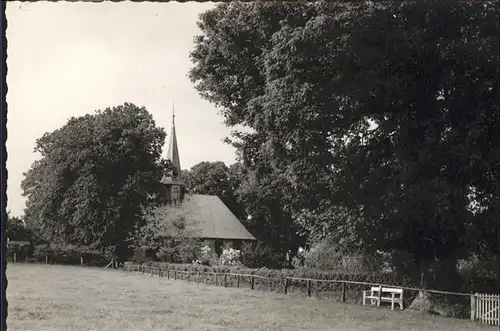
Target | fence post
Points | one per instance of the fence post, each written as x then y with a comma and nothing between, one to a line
168,274
225,280
253,282
309,287
343,292
379,296
46,259
175,274
198,277
286,285
238,281
15,257
152,271
81,261
189,276
472,307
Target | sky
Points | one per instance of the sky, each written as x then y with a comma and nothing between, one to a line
70,59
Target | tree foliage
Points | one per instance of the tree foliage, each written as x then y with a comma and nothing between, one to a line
95,175
378,120
167,234
215,178
15,229
268,220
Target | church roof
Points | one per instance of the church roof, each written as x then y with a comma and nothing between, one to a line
207,217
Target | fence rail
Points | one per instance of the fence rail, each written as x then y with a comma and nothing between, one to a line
155,270
485,308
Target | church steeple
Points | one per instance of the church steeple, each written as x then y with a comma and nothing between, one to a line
174,187
173,149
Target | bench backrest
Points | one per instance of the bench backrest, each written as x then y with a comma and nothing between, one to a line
387,289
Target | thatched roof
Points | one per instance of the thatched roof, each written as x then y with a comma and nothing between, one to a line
207,217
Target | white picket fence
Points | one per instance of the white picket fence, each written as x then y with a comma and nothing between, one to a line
485,308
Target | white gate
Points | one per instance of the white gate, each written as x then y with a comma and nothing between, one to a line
485,308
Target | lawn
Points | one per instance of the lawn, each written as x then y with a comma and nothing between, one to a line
79,298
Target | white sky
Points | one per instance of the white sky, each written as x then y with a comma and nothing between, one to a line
68,59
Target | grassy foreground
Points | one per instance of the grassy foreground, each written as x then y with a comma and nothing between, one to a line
79,298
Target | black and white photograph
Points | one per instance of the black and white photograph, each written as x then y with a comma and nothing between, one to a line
251,166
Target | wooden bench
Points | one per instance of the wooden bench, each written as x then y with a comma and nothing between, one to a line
378,294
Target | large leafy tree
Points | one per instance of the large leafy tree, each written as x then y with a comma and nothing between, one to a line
379,120
95,175
215,178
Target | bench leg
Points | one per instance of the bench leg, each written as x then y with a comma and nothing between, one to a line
392,305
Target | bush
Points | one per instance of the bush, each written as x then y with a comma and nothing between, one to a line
207,257
188,250
22,252
479,275
325,255
180,251
230,257
143,254
377,278
184,250
69,254
258,255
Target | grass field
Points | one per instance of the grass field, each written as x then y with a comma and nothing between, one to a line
78,298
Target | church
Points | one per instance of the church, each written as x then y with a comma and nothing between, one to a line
206,216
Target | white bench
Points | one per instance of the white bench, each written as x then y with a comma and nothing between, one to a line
378,294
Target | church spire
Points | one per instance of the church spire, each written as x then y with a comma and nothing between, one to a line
173,149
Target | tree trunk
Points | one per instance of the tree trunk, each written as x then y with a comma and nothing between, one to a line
436,275
423,302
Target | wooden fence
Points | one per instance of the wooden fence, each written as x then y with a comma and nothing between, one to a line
15,260
485,308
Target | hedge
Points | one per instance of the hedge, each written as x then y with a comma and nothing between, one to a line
384,278
65,255
275,279
471,284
